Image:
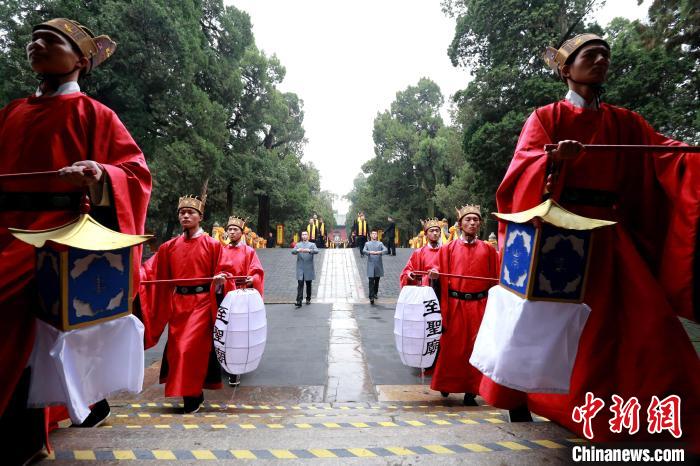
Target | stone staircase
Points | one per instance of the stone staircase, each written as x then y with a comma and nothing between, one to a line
340,433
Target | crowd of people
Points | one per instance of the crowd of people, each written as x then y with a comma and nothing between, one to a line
643,270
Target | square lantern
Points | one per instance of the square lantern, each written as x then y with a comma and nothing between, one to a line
548,262
83,272
79,287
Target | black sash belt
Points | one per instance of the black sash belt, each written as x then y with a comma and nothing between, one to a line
589,197
36,202
468,296
194,289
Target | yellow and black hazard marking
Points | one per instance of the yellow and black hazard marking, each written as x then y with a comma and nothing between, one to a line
281,454
171,417
306,407
314,425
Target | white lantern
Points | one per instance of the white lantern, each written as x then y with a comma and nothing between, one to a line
417,326
240,331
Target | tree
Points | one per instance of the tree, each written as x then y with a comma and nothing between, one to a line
415,153
654,71
198,97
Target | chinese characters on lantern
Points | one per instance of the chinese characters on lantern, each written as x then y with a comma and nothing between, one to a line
433,327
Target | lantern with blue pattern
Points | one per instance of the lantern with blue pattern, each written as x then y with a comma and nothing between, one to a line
83,272
547,260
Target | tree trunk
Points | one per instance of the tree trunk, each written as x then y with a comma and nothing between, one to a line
263,215
229,198
205,189
169,229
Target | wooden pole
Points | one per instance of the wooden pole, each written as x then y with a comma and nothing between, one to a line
630,148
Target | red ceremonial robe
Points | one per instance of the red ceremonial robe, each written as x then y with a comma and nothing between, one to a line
422,259
461,319
242,261
641,269
43,134
190,317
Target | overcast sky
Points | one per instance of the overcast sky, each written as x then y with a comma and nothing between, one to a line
347,60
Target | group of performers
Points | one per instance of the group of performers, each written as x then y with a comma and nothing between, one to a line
316,229
189,261
643,271
642,276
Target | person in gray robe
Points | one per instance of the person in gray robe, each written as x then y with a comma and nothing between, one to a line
375,268
304,250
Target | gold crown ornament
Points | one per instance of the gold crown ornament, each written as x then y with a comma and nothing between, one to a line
236,221
555,59
96,49
468,209
431,223
193,202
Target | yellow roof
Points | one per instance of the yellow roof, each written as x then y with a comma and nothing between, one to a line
82,233
552,213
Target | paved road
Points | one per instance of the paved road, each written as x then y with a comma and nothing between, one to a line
280,274
389,284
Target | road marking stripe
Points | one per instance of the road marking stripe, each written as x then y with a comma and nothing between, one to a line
84,455
439,449
164,455
243,454
322,453
475,447
203,455
400,451
359,424
124,455
361,452
548,444
356,452
513,446
441,422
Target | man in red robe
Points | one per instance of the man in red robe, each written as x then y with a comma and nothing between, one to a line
424,259
462,302
240,260
189,363
641,270
58,128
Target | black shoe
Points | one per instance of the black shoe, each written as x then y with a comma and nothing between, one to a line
99,413
192,403
297,304
234,380
469,400
371,300
445,394
519,414
308,301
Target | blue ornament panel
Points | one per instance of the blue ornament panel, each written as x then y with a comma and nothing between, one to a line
48,272
561,265
98,284
519,251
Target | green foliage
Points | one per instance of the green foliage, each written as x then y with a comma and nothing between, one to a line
198,97
419,170
655,71
415,153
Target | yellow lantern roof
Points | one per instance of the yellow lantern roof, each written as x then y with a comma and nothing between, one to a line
554,214
83,233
